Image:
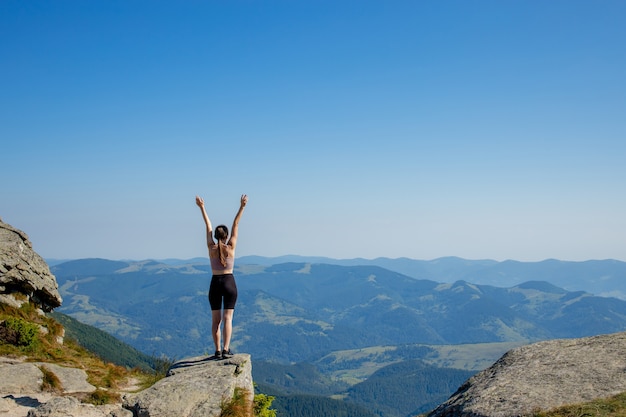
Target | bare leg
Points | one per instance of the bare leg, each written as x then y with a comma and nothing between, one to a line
228,327
216,316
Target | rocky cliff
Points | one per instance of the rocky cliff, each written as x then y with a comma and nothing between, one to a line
24,275
543,376
193,387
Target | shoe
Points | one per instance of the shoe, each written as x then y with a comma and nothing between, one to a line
217,356
227,354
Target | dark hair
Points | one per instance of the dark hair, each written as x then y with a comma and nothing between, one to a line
221,234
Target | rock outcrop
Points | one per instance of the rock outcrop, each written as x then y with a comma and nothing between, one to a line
543,376
195,387
22,394
24,275
71,407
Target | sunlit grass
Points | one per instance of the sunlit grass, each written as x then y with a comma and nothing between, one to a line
606,407
609,407
240,405
107,377
50,382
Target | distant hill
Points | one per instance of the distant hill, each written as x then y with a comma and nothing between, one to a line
407,388
302,405
605,278
394,390
103,345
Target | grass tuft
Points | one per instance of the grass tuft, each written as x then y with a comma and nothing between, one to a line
244,405
607,407
50,382
240,405
101,397
161,366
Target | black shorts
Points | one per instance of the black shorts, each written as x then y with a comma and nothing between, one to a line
223,287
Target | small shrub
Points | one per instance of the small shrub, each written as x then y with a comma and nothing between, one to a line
8,335
18,332
262,404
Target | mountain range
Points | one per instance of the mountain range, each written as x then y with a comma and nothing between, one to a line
362,333
294,312
606,278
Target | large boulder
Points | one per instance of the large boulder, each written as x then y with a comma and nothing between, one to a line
24,275
195,387
543,376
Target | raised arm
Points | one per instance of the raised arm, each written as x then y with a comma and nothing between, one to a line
235,229
207,222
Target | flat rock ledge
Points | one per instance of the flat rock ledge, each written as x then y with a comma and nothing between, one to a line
21,394
194,387
542,376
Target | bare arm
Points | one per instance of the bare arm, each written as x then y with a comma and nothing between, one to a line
207,222
235,229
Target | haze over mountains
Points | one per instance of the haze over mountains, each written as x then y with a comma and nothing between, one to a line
605,278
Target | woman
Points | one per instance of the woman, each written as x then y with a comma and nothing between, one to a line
223,287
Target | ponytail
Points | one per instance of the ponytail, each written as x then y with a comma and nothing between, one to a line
222,257
221,234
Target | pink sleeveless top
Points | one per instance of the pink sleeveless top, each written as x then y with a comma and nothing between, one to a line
217,266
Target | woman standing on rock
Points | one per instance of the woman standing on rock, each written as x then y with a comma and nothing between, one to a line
223,287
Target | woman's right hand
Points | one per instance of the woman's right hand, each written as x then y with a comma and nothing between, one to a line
199,201
244,200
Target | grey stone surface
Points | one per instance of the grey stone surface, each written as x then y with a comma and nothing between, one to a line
194,387
21,394
20,378
543,376
72,380
120,412
23,273
71,407
26,378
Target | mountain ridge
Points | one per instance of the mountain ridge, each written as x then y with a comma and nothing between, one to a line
349,306
605,278
600,277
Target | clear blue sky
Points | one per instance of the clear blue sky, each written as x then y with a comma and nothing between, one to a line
421,129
